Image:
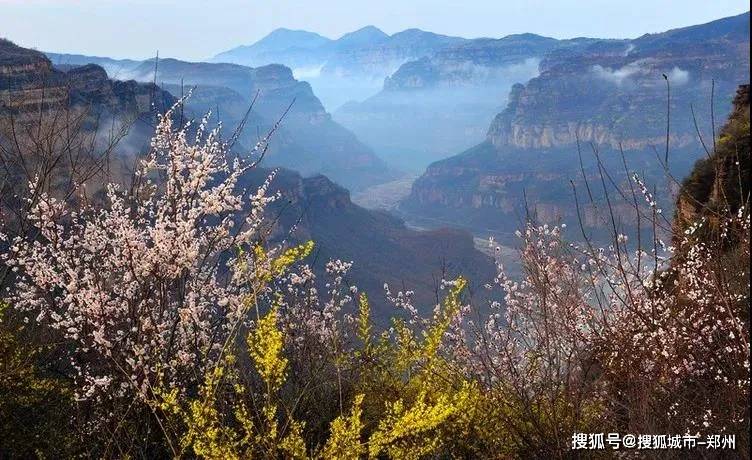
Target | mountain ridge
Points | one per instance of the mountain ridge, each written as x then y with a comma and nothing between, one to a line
309,139
611,94
382,247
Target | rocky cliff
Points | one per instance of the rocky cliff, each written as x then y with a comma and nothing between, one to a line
613,92
30,87
605,94
63,129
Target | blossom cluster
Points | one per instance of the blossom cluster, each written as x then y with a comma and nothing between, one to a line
148,281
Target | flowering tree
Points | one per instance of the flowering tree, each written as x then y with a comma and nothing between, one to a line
594,339
147,282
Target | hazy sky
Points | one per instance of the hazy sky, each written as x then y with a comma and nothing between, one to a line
194,29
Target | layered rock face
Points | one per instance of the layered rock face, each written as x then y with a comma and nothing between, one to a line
31,87
67,132
20,90
604,94
613,92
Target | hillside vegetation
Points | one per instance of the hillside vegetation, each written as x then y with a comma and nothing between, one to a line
163,319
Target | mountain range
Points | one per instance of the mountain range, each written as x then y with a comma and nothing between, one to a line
309,140
437,105
383,248
537,121
607,95
351,67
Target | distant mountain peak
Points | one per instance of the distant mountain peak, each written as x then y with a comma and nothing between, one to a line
364,36
367,30
285,32
282,38
527,36
411,30
414,35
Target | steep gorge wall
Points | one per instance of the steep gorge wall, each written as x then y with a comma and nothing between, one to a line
607,96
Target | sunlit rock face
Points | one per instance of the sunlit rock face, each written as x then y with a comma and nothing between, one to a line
610,96
31,82
34,92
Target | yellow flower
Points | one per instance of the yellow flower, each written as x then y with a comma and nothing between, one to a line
344,441
265,345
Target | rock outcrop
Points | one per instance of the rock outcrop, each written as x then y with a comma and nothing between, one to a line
613,92
607,95
30,87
